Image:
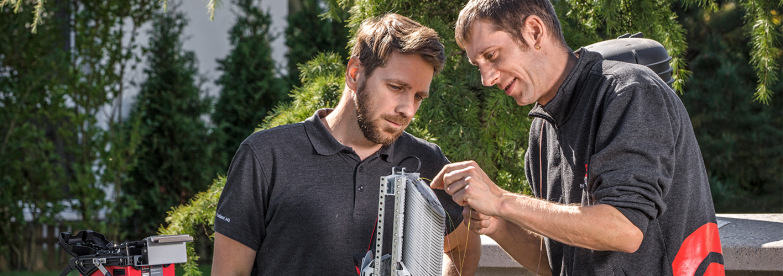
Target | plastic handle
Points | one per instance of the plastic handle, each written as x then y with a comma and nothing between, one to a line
171,239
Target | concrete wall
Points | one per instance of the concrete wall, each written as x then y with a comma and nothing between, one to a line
752,245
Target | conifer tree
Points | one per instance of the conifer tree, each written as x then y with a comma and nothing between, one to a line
56,153
740,140
308,34
250,88
33,164
175,156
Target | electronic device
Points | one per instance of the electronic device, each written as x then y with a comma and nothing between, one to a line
94,255
419,226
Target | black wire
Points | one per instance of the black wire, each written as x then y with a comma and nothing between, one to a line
418,165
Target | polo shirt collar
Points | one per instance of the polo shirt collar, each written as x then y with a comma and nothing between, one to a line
325,144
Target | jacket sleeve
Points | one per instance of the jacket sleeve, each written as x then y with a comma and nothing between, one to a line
633,164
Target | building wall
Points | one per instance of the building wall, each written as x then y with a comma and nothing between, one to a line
209,41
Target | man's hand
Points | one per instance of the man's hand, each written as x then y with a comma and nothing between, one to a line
467,184
482,224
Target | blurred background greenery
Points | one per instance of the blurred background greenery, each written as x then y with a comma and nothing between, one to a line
123,175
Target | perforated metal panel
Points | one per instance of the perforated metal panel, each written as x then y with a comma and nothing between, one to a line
422,248
419,226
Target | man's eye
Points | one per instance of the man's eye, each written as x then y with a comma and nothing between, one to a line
419,97
394,87
490,55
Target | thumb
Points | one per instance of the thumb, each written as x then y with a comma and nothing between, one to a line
437,182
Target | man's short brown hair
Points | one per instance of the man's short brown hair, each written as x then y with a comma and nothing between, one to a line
378,37
508,16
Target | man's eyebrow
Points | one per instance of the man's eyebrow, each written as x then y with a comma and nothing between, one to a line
481,53
484,51
398,82
404,84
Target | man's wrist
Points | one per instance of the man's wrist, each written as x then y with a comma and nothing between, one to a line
515,209
505,205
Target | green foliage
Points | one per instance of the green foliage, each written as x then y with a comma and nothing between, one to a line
307,34
323,83
739,139
175,157
55,155
608,17
104,154
764,18
187,218
249,87
36,128
212,5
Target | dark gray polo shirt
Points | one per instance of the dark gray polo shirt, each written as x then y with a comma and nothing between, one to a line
306,203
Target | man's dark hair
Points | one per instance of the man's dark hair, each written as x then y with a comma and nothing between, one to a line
378,37
508,16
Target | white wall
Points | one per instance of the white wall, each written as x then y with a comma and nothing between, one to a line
209,41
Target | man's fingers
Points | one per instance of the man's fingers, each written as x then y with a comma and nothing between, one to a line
456,186
439,182
478,219
479,216
459,198
479,226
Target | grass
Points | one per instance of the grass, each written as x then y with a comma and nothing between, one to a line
205,270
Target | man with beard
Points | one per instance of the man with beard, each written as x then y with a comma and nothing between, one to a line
301,199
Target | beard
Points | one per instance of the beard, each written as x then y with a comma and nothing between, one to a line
371,129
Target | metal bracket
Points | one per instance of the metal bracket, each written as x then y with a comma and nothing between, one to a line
98,262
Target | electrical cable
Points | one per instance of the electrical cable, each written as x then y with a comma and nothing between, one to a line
540,186
418,166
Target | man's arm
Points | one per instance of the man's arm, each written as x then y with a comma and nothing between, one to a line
598,227
231,257
525,247
462,251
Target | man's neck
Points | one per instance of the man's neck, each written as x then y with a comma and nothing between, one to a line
563,63
344,127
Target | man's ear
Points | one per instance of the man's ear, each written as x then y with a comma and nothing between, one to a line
534,31
352,72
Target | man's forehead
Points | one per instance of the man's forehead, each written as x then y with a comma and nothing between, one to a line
477,48
483,35
405,70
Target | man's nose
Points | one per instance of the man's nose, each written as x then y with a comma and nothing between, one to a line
489,76
406,106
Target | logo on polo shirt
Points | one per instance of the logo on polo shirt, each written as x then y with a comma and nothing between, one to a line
223,218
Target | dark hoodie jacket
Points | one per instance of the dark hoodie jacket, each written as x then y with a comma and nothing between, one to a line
616,134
